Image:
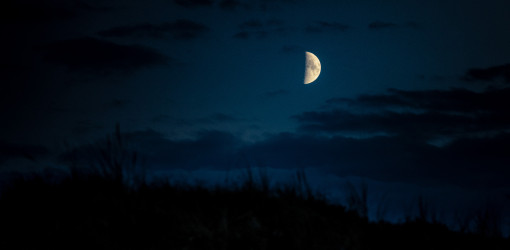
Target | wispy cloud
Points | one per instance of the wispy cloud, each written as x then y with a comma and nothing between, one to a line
490,74
194,3
378,25
423,115
257,28
323,26
97,56
181,29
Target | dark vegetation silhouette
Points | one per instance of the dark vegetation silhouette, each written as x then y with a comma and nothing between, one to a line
110,205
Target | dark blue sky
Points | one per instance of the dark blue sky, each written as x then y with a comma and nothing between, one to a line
412,94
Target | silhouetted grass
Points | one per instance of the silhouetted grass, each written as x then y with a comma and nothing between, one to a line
94,212
103,209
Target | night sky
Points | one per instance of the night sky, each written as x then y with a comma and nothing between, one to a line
412,99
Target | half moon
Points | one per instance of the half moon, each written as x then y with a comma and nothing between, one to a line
313,68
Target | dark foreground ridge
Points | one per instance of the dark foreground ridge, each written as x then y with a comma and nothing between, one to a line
91,211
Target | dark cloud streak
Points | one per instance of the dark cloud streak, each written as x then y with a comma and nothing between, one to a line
181,29
453,100
490,74
233,5
101,57
194,3
218,118
259,29
323,26
422,114
34,12
378,25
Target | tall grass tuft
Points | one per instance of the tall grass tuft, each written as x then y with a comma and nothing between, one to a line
357,199
114,161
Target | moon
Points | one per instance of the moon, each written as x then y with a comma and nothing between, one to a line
313,67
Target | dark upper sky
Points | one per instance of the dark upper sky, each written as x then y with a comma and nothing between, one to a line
411,92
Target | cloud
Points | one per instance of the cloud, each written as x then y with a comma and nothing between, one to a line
257,5
467,162
233,5
424,115
99,6
252,24
446,101
257,28
28,12
390,159
323,26
491,74
181,29
393,159
101,57
259,24
251,34
194,3
378,25
392,123
377,158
